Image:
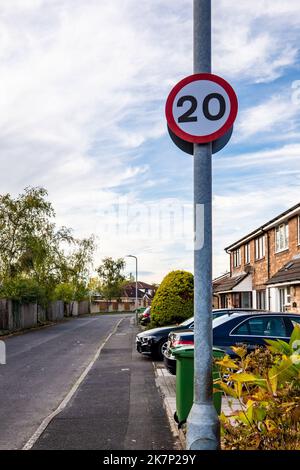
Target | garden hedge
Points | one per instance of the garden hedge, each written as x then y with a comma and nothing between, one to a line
174,299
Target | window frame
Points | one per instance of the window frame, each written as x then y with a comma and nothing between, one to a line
260,247
261,293
236,258
247,253
285,246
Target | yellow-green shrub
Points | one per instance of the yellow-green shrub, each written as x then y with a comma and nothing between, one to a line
267,385
174,299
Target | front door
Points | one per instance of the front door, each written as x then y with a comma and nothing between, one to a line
283,298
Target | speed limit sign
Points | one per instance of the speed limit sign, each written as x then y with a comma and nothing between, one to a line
201,108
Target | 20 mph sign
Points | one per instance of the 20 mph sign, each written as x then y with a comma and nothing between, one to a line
201,108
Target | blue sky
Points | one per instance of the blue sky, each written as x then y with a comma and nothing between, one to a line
83,89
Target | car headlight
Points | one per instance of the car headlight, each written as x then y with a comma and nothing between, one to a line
147,339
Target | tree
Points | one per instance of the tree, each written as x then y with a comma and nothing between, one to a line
34,253
94,286
174,299
75,271
111,278
22,220
80,260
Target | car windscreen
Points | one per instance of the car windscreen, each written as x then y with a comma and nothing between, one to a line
223,319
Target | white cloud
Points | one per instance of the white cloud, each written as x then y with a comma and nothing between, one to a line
82,93
255,40
273,116
287,156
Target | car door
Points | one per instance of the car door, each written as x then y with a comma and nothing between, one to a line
253,331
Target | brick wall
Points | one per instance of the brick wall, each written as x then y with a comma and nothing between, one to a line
276,260
295,294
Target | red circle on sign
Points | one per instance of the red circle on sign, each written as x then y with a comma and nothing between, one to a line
209,137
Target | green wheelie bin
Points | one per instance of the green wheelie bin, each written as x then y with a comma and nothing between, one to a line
185,382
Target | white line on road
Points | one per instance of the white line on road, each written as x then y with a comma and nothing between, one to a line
30,443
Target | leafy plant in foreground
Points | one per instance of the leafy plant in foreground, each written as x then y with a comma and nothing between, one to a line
266,384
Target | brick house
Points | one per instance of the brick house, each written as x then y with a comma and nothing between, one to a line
145,294
264,267
127,301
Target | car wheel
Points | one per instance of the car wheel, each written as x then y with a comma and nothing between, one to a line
162,347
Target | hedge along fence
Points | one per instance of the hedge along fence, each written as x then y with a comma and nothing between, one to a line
174,299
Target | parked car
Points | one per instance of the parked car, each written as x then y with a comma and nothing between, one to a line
144,317
250,329
154,342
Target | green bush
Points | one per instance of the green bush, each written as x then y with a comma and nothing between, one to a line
23,290
69,292
64,291
174,299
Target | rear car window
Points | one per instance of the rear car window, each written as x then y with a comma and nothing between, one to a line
295,320
262,326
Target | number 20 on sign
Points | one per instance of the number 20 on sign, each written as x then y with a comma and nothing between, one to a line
201,108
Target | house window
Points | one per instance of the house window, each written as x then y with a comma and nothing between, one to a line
237,258
236,300
261,299
224,301
260,247
247,253
281,237
298,229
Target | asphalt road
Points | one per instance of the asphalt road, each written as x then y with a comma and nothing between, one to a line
41,368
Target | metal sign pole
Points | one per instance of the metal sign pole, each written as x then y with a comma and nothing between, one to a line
203,423
136,291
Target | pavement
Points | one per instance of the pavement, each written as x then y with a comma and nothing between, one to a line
166,383
118,405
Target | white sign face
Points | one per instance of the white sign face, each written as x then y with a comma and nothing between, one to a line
201,108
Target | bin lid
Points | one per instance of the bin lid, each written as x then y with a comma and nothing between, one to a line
183,351
188,351
218,352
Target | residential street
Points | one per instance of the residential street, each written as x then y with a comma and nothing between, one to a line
41,368
116,407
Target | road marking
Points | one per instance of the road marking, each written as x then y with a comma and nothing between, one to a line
30,443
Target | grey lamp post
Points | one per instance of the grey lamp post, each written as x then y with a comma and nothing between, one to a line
136,285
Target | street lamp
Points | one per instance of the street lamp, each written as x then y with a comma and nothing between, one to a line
136,285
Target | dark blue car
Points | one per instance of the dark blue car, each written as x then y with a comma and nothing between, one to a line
154,342
250,329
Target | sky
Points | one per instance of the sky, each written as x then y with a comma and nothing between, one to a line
82,96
